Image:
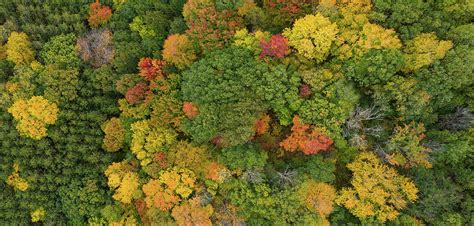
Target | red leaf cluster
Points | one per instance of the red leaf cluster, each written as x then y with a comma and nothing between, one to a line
98,14
262,124
305,90
306,139
151,68
137,93
276,47
190,110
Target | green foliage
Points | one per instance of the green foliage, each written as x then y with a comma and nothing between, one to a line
231,90
60,50
376,66
244,157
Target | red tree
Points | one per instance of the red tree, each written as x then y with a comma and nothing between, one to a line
151,68
98,14
276,47
137,93
190,110
306,139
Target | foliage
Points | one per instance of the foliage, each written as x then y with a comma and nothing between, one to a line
276,47
60,50
405,149
378,191
317,197
149,140
15,180
98,14
423,50
179,51
33,116
228,109
18,49
209,27
306,139
124,181
179,112
312,36
114,135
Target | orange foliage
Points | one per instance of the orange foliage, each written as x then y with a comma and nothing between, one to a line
306,139
151,68
179,50
157,196
98,14
190,110
262,124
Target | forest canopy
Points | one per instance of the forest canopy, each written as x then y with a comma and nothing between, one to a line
236,112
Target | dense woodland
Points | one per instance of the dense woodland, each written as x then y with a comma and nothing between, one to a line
236,112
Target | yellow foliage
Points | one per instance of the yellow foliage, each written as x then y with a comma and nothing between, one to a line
376,37
179,50
114,135
38,215
317,197
123,181
357,6
172,186
186,155
378,191
15,180
423,50
190,213
148,140
250,41
312,36
18,49
33,115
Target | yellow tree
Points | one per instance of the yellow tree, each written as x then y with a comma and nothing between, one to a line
423,50
114,135
179,50
192,213
19,49
378,191
33,115
124,181
147,140
312,36
15,180
317,197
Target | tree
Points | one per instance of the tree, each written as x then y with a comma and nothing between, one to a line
60,86
114,135
59,50
33,116
147,140
151,69
405,148
230,103
312,36
378,191
95,47
192,213
15,179
209,27
98,14
124,181
179,51
306,139
423,50
317,197
276,47
376,66
18,49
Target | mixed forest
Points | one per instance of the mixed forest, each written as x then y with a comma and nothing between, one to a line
236,112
